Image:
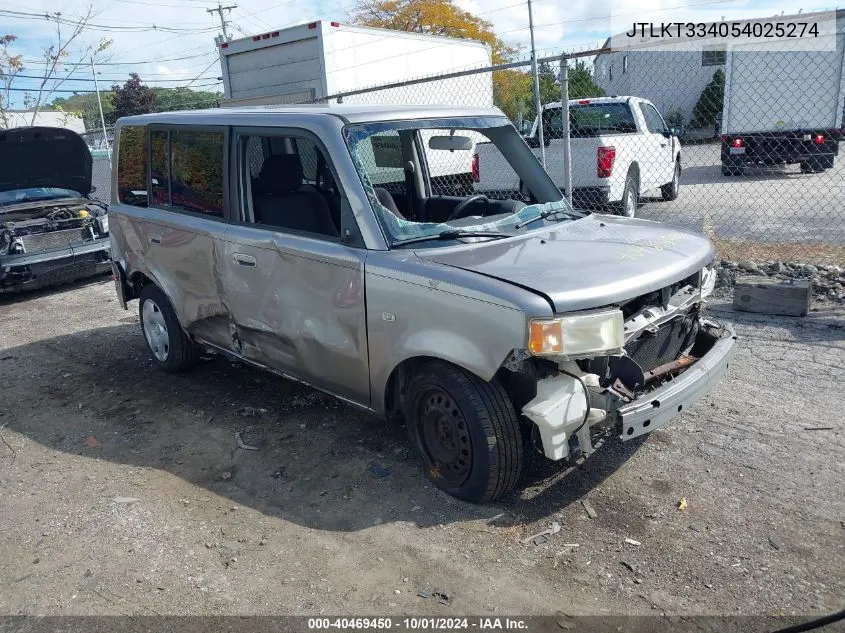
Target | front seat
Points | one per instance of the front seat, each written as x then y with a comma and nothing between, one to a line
280,201
387,201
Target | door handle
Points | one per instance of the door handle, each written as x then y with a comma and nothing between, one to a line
155,238
244,260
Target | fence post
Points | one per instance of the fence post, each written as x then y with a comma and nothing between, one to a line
564,113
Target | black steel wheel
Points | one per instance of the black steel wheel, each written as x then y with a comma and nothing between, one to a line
465,431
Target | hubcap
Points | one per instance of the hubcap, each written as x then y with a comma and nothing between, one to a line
155,330
445,437
630,203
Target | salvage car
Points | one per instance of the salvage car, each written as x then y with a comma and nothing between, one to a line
490,327
51,230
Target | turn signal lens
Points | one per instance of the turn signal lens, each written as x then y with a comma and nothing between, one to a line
546,337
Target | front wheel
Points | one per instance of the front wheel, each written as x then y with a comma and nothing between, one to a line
670,190
466,432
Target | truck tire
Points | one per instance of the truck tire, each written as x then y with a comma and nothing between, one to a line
171,349
465,430
670,190
630,195
814,165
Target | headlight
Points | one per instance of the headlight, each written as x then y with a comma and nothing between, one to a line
596,333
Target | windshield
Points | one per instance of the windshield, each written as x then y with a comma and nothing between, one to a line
453,179
33,194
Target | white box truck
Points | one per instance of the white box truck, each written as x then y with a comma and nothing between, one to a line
783,106
320,59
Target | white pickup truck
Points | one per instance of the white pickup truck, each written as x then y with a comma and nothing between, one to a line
621,148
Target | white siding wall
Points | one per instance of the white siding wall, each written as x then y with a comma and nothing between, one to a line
669,79
45,118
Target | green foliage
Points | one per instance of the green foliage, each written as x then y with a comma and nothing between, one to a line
581,84
132,98
674,118
710,102
168,99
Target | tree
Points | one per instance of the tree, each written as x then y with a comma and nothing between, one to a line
61,60
433,17
581,83
10,66
132,98
85,106
184,99
710,102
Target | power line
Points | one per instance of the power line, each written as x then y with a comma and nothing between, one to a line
101,77
23,15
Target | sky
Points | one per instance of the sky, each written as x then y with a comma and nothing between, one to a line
171,42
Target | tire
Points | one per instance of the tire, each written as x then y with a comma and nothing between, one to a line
812,166
466,432
170,347
670,190
630,196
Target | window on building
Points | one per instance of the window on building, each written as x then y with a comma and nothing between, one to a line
132,166
610,72
624,64
713,57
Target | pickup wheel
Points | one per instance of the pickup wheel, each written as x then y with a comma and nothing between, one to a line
630,196
466,432
670,190
171,348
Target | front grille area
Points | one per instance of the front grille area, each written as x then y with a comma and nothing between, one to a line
37,242
650,350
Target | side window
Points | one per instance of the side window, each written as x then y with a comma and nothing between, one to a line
159,169
288,184
132,166
196,171
653,120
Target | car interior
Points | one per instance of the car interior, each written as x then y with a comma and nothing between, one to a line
292,186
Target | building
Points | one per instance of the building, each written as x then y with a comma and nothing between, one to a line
670,79
44,118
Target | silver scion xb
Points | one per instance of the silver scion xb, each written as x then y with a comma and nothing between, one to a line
343,246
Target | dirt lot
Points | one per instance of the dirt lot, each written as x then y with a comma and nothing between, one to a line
123,491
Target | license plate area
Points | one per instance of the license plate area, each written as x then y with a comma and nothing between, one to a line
737,150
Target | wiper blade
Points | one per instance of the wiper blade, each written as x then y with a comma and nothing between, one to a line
544,215
451,235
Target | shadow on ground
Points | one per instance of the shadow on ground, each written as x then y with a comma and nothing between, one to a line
320,463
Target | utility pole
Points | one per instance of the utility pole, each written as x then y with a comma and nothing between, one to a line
100,104
536,89
220,9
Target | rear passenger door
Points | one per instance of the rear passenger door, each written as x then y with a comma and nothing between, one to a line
184,223
295,287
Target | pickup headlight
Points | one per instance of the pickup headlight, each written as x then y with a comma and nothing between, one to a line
596,333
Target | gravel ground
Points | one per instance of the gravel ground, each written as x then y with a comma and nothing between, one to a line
123,491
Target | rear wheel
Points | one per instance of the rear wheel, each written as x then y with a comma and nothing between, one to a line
670,190
466,432
171,348
630,196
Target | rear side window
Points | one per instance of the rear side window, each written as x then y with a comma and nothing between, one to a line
653,120
132,166
591,119
196,171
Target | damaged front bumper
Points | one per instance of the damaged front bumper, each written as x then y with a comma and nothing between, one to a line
566,421
34,270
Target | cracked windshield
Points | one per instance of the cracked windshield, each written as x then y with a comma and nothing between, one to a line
423,180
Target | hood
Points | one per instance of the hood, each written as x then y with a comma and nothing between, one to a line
44,157
587,263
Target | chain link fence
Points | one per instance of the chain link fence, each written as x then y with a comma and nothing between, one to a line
740,145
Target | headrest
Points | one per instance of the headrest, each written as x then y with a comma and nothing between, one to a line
280,174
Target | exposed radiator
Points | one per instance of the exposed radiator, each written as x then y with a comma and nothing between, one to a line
665,345
49,240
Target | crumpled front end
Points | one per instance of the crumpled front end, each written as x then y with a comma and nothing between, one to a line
672,356
54,243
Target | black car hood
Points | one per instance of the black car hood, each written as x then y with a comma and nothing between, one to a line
44,157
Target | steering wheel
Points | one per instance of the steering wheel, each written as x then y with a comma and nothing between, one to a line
458,211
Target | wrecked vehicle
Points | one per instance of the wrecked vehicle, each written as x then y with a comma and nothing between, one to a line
51,231
312,242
